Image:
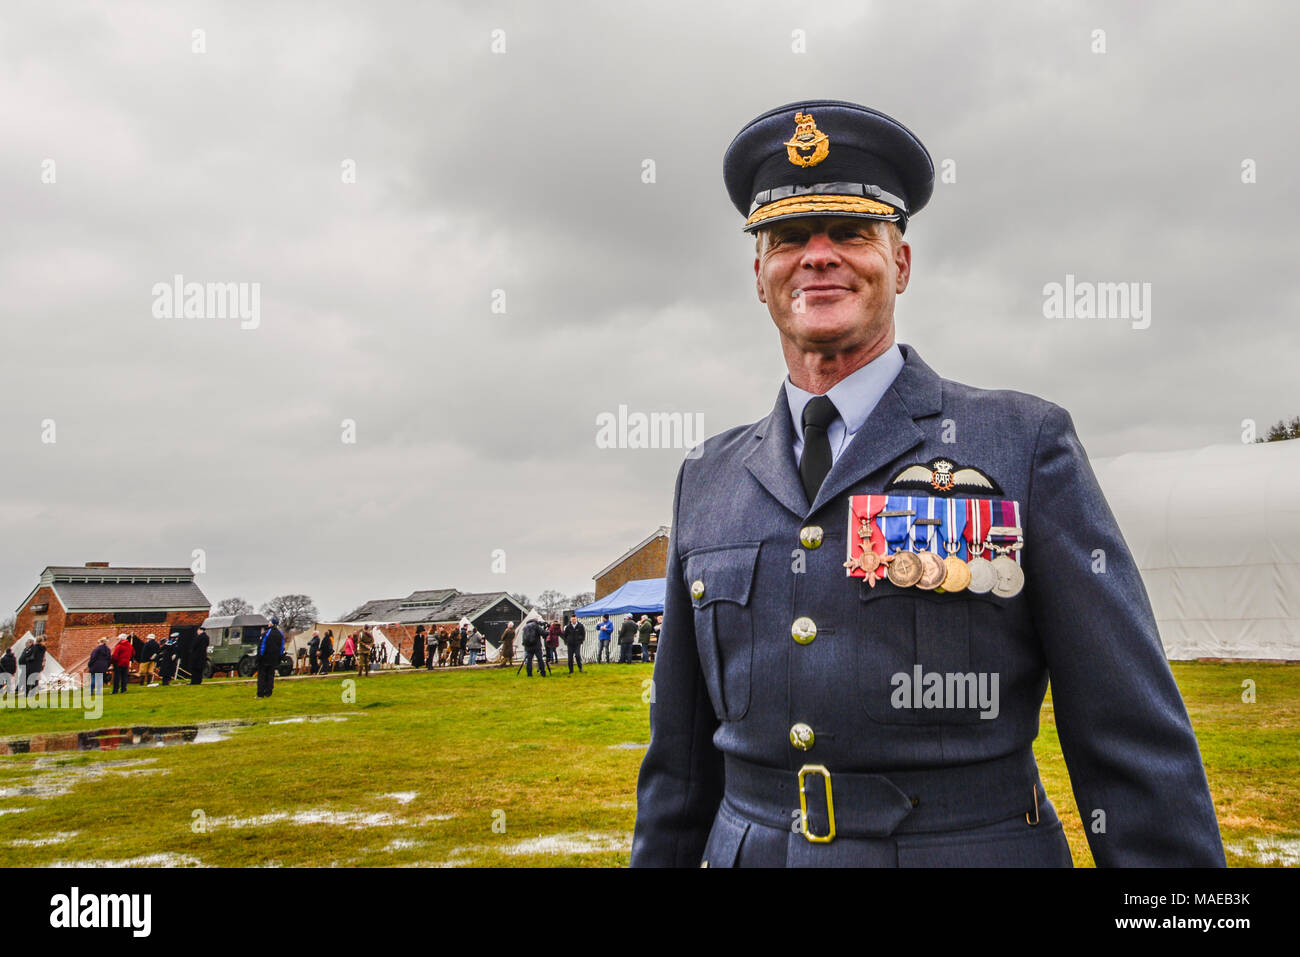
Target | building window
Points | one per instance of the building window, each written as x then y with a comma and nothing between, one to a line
38,627
140,618
42,609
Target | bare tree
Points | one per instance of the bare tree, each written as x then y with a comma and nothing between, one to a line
521,598
233,606
582,598
294,611
550,603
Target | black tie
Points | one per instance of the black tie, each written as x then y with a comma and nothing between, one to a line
818,414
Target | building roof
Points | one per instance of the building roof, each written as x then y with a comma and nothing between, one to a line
433,606
127,588
660,532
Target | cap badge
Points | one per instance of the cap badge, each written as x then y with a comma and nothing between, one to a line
809,145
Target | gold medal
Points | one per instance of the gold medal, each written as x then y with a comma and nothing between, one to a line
957,574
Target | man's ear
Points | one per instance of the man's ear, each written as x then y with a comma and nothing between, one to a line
758,282
903,265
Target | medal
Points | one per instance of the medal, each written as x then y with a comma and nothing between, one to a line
982,575
956,574
1010,579
862,526
933,570
904,568
1010,576
922,535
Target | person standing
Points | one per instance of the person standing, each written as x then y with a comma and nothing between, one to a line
327,652
626,635
645,631
533,646
365,650
167,658
770,664
462,638
123,652
269,651
575,633
198,661
605,632
474,644
313,653
348,650
508,646
431,648
8,667
148,660
418,645
33,657
101,659
553,642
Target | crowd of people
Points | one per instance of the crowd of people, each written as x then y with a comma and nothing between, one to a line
541,641
176,658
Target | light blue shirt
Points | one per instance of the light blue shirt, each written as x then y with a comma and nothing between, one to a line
855,397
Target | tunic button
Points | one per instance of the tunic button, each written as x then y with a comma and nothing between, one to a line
811,536
804,630
802,737
697,589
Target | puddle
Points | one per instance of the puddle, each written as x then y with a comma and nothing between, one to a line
589,843
148,860
62,777
350,819
400,844
120,739
627,746
12,810
1270,850
61,838
401,797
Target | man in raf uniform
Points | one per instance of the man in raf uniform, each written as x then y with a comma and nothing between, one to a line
868,590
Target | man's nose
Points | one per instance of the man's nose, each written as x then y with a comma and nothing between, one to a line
819,251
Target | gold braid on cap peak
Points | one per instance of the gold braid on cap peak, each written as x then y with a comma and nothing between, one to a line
826,203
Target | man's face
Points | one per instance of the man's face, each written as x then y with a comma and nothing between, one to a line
830,282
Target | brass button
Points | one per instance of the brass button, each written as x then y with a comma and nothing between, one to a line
697,589
810,536
804,630
802,737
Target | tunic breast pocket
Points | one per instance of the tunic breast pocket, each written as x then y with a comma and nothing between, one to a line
720,580
914,655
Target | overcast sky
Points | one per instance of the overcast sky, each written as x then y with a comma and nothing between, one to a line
522,171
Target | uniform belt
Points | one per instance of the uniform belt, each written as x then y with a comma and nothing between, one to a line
877,805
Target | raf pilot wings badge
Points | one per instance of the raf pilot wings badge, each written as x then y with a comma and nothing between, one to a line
944,476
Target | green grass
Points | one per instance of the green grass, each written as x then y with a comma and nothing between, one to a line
539,759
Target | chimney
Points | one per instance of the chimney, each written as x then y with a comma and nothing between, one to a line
96,564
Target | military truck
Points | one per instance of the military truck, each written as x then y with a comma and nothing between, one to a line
232,645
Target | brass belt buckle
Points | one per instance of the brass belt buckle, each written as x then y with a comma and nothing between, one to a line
803,804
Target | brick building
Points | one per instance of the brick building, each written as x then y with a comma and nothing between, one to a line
649,559
489,612
73,607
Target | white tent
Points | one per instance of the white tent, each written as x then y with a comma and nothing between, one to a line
492,653
53,676
1215,533
342,629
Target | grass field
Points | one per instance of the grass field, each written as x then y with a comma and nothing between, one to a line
479,768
